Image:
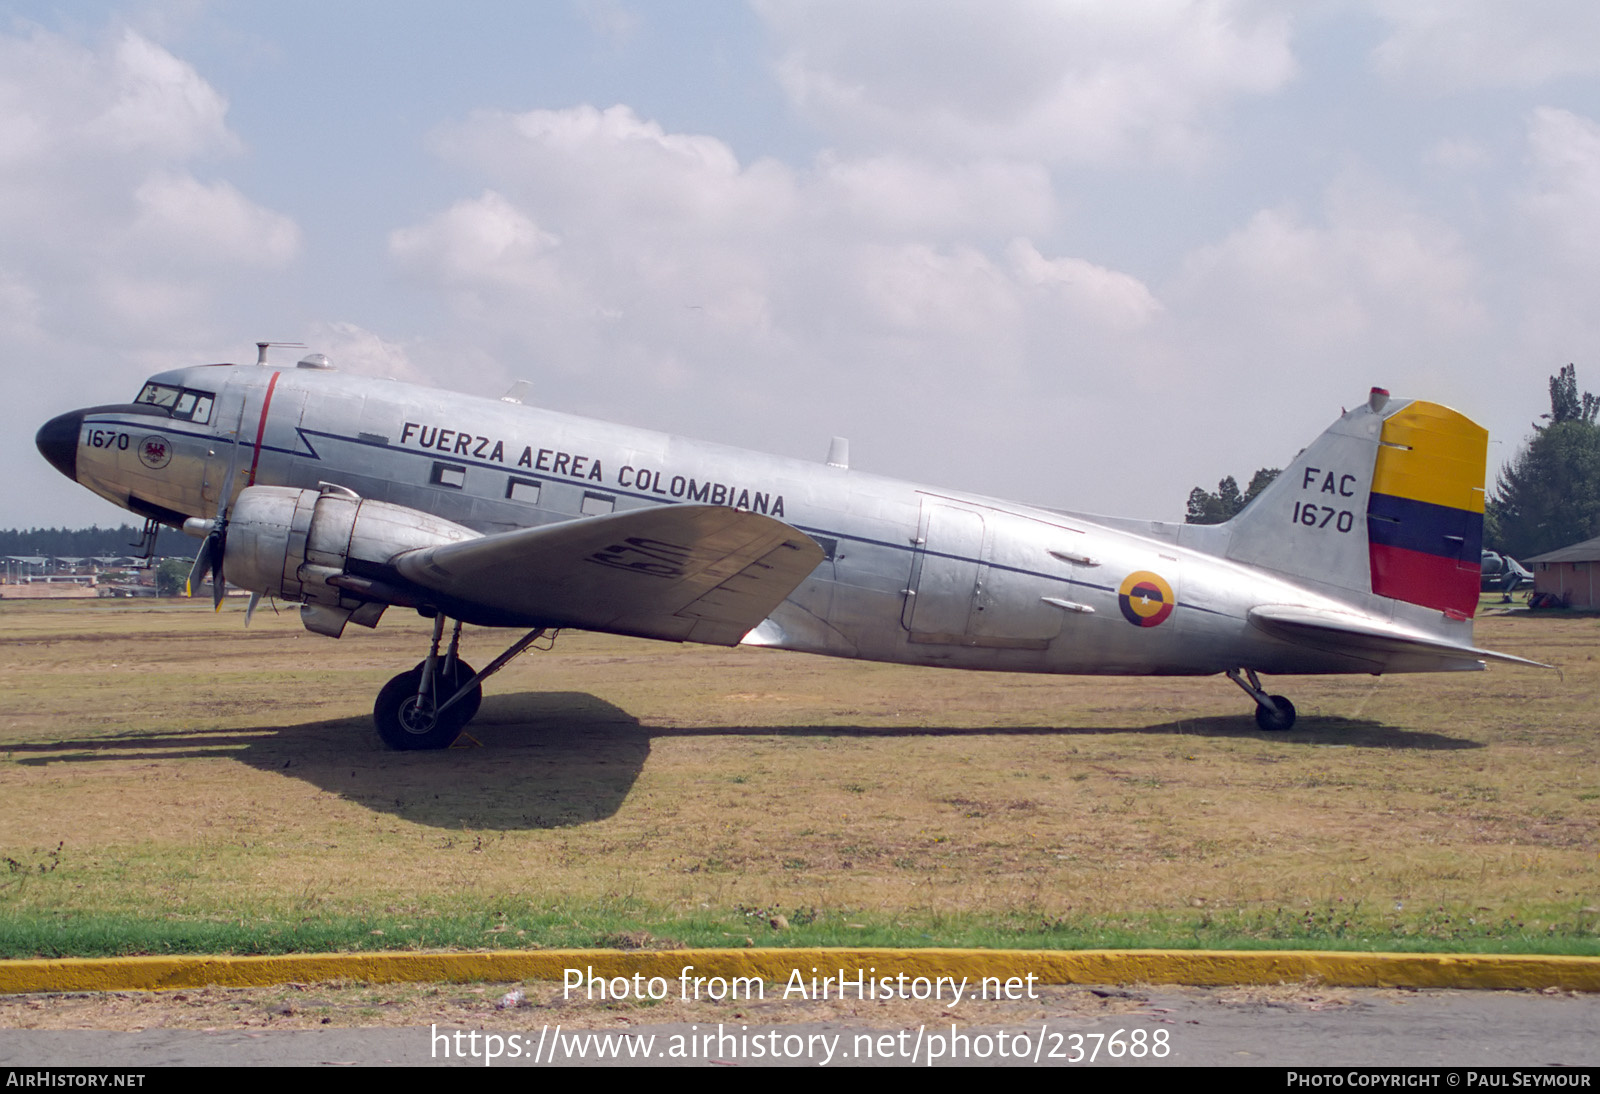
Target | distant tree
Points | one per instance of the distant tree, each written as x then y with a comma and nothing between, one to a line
172,575
1208,508
1548,496
1259,482
1565,404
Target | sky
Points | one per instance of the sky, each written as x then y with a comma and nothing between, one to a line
1080,254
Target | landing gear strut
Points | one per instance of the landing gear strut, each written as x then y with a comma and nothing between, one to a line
1274,713
428,706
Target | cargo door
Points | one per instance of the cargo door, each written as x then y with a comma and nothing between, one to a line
945,574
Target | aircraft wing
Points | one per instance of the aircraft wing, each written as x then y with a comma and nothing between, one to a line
700,573
1361,636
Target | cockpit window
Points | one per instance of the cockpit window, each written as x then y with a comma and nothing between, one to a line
180,402
193,405
158,395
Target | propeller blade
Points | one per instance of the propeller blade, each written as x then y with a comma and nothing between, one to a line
201,567
255,598
216,544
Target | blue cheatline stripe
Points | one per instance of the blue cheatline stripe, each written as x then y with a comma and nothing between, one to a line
1424,527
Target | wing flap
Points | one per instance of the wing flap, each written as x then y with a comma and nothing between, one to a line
1364,636
701,573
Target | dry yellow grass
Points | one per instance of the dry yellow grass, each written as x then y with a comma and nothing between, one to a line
190,768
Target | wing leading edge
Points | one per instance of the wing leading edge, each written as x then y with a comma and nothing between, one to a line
700,573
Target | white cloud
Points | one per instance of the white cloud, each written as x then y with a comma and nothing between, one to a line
486,239
209,225
354,349
126,107
895,194
569,161
610,18
1367,289
1458,155
1557,265
102,217
123,242
594,217
1093,292
158,105
917,291
1563,201
600,221
730,294
143,306
1455,44
1072,82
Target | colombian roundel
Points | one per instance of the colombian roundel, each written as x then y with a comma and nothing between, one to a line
1145,598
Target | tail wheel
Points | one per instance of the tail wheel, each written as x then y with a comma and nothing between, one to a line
405,725
1276,721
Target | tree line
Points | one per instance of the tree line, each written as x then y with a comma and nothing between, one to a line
1208,508
72,542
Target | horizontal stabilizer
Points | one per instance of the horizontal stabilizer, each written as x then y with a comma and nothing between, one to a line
1365,636
697,573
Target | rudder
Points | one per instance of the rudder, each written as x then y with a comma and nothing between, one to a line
1425,514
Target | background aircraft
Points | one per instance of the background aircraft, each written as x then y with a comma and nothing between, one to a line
1504,574
351,495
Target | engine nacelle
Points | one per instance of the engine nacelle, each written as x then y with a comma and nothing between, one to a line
298,545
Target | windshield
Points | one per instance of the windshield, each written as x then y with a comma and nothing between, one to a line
180,402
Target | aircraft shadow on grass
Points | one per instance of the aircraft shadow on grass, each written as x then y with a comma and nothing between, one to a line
559,759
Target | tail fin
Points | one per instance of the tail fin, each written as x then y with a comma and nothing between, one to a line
1388,502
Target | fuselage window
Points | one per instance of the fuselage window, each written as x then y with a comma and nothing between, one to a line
523,490
595,505
448,474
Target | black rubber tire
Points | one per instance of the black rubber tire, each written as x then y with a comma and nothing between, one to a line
1279,720
400,727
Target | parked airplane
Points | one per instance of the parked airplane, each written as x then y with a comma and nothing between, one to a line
1504,574
350,495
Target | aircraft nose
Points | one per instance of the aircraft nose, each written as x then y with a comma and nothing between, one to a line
58,442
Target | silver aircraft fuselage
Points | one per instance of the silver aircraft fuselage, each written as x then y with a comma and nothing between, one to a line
911,573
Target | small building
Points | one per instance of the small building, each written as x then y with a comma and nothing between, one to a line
1570,573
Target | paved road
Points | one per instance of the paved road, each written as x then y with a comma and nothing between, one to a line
1198,1026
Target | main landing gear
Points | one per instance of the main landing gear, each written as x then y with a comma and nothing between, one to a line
428,706
1274,713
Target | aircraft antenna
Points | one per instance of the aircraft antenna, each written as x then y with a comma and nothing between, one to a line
261,349
839,453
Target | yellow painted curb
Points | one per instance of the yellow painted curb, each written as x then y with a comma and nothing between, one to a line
680,968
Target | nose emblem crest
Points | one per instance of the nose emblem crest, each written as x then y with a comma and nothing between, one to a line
155,452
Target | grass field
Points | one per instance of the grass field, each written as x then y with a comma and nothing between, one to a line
170,781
